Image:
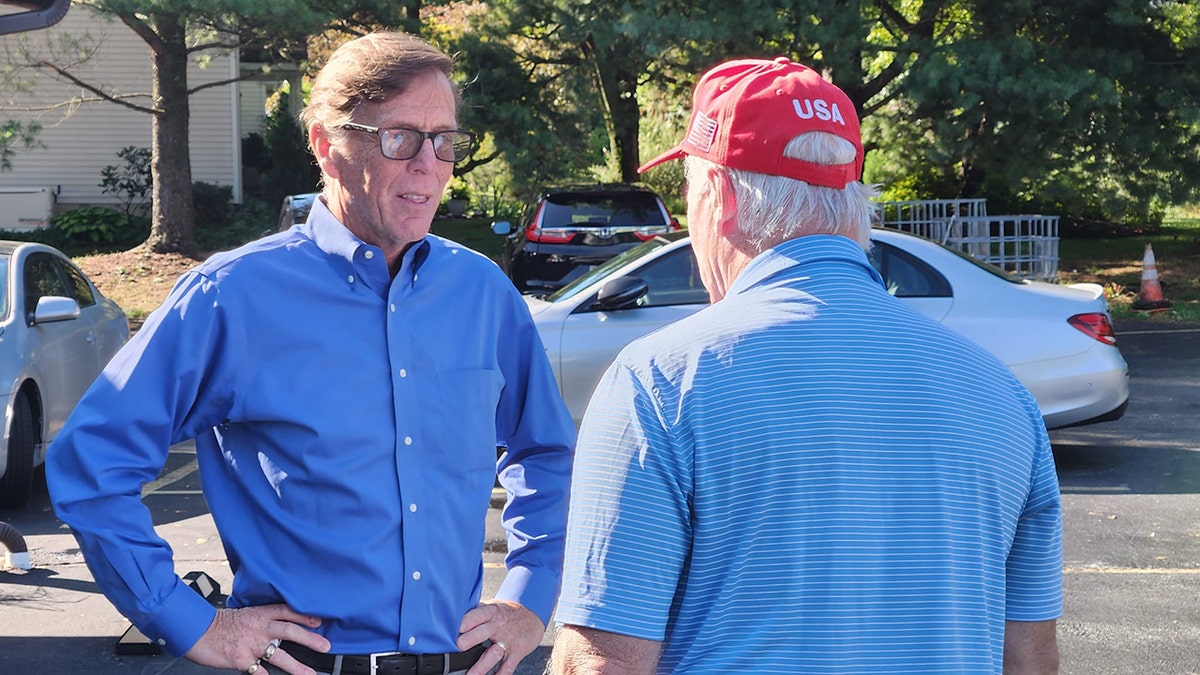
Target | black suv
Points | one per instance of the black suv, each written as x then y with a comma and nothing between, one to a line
569,230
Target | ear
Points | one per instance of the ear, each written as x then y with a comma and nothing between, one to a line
322,147
727,208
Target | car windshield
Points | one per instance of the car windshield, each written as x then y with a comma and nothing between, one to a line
626,209
581,283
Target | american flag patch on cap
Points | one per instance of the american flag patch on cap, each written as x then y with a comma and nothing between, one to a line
703,131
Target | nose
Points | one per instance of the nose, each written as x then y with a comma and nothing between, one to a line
425,159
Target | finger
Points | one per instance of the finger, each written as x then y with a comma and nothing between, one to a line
473,637
282,662
300,635
494,655
282,612
477,617
483,622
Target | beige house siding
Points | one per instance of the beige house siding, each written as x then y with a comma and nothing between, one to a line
253,105
80,140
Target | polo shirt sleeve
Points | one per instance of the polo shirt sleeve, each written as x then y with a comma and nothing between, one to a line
628,532
1034,584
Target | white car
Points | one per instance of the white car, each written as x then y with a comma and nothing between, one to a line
57,332
1057,339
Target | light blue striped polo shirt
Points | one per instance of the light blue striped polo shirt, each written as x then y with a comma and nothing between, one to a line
808,477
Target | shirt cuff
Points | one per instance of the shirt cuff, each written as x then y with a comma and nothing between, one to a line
531,590
180,621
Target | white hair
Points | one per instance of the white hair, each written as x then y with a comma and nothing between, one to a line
773,209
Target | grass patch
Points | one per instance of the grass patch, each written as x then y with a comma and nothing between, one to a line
1116,264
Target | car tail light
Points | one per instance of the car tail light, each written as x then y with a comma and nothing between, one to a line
648,233
553,236
1095,325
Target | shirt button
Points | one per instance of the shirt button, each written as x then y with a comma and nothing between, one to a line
412,641
403,373
162,642
350,278
369,254
416,576
393,307
412,507
408,440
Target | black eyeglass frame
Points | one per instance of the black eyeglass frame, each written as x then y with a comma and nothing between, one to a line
430,135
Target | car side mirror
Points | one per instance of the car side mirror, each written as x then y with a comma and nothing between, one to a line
620,293
38,14
501,227
52,308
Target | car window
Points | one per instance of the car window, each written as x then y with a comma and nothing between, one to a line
4,308
80,289
41,279
673,279
907,276
564,210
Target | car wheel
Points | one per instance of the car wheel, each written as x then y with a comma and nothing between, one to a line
17,482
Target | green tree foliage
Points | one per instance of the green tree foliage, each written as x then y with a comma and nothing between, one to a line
1086,110
15,133
529,112
582,67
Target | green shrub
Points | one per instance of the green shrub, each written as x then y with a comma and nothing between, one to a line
95,225
212,204
131,182
243,223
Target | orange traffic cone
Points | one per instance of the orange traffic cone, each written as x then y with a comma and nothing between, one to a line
1150,297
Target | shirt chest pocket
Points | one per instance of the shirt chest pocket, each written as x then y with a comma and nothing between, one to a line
469,401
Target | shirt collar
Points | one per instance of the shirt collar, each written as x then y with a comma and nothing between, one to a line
367,261
801,251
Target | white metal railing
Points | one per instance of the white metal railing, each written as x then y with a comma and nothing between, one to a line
930,218
1026,245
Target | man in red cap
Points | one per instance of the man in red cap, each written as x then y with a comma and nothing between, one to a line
806,476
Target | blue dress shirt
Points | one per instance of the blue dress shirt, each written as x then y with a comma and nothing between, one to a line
346,427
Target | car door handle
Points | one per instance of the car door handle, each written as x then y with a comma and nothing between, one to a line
91,338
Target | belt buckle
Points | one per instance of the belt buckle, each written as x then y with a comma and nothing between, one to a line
373,659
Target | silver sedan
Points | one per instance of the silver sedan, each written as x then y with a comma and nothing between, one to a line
1057,339
57,332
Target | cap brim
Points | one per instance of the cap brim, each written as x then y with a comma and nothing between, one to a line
670,155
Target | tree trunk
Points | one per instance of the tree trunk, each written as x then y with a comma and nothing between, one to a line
617,80
172,225
412,16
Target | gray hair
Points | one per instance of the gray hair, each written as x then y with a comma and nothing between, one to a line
373,67
773,209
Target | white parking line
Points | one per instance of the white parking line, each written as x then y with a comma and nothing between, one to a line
1157,331
177,474
1131,570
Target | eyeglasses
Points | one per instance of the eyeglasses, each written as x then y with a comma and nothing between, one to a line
453,145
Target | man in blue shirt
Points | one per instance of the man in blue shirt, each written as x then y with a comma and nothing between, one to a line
806,476
346,383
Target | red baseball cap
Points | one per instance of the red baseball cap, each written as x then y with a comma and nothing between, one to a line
745,112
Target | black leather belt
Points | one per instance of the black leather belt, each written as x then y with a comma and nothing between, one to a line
387,663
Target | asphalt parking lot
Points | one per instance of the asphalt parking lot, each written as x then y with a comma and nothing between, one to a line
1131,495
